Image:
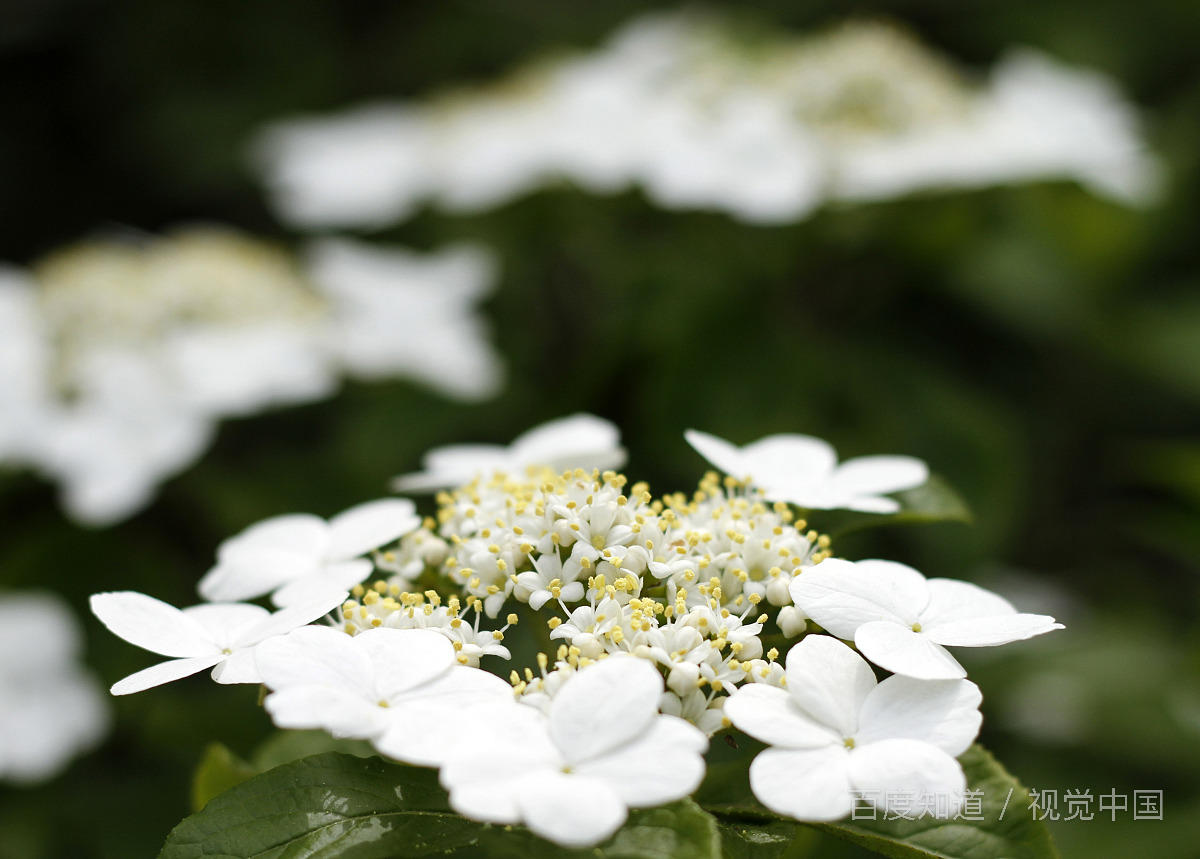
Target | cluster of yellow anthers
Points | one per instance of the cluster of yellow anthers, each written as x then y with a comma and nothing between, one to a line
674,579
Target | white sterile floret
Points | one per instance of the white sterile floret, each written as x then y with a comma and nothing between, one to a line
838,736
402,689
804,471
51,706
580,441
295,556
901,621
221,636
572,775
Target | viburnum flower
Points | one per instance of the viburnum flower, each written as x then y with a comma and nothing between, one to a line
579,441
403,689
900,621
804,471
296,556
572,775
221,636
837,735
51,706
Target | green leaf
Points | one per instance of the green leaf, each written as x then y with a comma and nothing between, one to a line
681,830
219,770
933,501
325,806
337,805
773,839
1007,828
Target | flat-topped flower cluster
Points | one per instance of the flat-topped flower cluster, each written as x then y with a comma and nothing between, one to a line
658,617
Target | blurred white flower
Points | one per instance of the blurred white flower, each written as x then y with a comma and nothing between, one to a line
900,620
221,636
403,689
804,470
837,736
399,313
298,556
52,707
765,129
572,774
117,358
579,441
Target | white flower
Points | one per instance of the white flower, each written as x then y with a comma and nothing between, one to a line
900,621
804,471
837,734
295,556
571,776
547,581
579,441
397,313
221,636
400,688
52,707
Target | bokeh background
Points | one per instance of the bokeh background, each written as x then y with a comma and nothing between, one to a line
1037,345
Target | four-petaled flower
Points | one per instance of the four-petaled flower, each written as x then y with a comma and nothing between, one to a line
804,471
572,775
295,556
900,620
837,734
221,636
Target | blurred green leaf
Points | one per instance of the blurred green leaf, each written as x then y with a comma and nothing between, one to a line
219,770
933,501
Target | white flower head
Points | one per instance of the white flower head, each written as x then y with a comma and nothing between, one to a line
572,775
221,636
837,734
403,689
296,556
579,441
804,471
52,707
903,622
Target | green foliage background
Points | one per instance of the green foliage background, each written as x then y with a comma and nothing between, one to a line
1038,346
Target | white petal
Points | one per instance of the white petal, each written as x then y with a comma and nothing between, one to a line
878,475
570,810
251,573
951,600
226,623
788,466
302,533
452,466
902,651
829,682
342,712
484,784
369,526
807,784
579,441
239,667
403,659
343,575
151,624
841,596
165,672
295,616
990,631
604,706
677,749
943,713
315,655
895,767
769,714
718,452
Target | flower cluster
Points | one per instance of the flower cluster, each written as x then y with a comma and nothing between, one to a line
765,129
658,618
118,357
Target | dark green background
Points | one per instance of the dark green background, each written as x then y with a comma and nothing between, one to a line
1039,347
